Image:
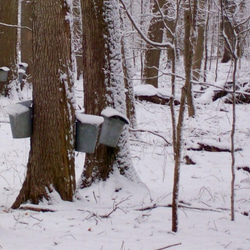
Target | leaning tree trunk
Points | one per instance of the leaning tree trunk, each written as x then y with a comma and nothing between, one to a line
8,41
103,85
51,160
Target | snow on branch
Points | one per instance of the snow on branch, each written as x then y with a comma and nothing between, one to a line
143,36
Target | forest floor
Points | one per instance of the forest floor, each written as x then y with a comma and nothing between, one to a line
120,214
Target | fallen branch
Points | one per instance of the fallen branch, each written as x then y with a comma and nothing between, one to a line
218,210
174,245
37,209
212,148
156,99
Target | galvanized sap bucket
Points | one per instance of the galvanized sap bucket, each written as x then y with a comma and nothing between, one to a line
20,115
4,71
112,127
87,130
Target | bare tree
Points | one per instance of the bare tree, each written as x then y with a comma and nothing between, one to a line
51,160
233,42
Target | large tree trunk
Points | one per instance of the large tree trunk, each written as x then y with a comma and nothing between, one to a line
8,41
152,54
51,160
103,84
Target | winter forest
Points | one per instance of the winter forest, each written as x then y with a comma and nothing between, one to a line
124,124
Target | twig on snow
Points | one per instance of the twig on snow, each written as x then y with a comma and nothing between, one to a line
173,245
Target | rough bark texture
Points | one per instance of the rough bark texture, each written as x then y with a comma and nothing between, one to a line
51,160
152,54
103,84
8,41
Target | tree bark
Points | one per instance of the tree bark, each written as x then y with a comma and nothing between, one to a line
8,41
152,54
51,160
104,85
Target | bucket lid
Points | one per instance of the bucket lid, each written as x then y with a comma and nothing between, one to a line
113,113
5,69
89,119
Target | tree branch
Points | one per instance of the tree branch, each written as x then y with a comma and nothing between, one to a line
144,37
15,26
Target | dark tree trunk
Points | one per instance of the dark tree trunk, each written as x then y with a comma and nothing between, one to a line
103,84
51,160
8,41
152,54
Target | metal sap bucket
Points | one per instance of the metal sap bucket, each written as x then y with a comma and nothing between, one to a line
112,127
20,115
87,130
4,71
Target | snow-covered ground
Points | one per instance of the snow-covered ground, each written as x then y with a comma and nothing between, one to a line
114,215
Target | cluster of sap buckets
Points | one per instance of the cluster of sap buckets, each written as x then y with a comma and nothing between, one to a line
110,126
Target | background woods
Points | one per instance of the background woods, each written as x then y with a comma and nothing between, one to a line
176,73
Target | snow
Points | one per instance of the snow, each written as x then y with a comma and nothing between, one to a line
89,119
23,64
110,215
147,90
5,69
15,109
21,71
111,112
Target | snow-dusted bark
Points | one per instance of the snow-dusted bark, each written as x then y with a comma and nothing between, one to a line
51,160
104,85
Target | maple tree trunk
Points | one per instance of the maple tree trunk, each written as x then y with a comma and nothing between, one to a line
103,85
51,160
